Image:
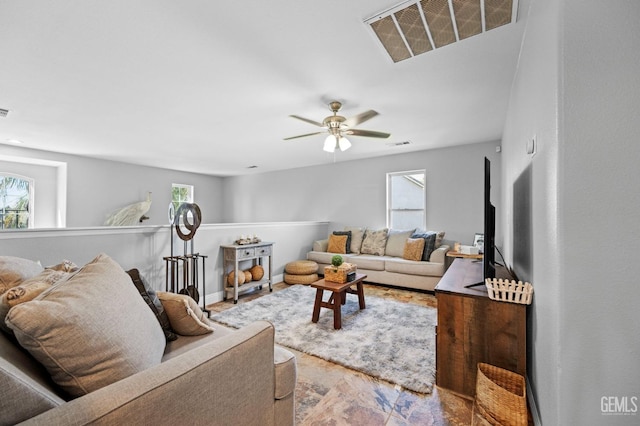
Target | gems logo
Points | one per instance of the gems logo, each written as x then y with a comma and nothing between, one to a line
619,405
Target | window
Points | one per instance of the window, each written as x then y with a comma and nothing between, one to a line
181,194
16,193
406,200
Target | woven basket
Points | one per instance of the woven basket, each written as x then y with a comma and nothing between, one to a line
500,396
509,291
339,274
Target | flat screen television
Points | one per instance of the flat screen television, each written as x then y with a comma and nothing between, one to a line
488,258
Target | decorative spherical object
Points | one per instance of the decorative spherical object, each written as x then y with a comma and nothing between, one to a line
231,278
301,267
247,276
337,260
257,272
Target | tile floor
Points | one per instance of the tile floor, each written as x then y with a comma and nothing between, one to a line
329,394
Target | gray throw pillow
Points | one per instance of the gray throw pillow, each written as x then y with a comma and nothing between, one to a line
429,243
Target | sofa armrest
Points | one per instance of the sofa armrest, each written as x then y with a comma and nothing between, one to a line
438,255
225,381
321,245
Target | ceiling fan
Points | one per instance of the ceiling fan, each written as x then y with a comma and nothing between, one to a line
337,126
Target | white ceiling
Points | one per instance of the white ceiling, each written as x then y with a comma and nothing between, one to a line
209,86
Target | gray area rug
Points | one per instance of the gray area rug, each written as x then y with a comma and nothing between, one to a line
390,340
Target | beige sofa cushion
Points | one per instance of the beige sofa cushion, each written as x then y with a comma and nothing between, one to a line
411,267
90,330
370,262
357,235
395,242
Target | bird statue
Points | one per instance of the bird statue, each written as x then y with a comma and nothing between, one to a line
130,215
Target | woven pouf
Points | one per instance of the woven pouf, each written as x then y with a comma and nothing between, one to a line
300,279
301,272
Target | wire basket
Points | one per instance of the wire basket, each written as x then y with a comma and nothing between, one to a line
509,291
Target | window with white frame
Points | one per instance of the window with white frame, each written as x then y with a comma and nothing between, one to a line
16,201
181,193
406,199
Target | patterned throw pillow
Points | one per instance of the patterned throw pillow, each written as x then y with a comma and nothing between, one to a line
374,242
337,244
348,234
413,249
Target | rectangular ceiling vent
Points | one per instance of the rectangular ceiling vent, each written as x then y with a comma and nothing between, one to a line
415,27
4,112
399,143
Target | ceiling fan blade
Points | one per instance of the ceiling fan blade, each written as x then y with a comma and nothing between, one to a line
360,118
315,123
302,136
367,133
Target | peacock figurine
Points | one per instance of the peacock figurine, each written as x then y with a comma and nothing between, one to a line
130,215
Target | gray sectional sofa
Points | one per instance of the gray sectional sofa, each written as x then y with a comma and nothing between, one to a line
388,267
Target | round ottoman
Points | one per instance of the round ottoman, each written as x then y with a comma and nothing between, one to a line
301,272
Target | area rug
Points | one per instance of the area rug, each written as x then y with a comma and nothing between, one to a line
389,340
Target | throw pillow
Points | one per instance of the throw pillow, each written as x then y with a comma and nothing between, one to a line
151,299
429,243
337,244
184,314
395,242
14,270
90,330
348,234
28,290
413,249
357,235
374,242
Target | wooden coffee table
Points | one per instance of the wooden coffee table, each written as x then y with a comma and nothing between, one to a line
338,297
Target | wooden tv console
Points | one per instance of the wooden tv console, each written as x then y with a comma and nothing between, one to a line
473,328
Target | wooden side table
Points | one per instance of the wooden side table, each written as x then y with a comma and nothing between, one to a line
457,254
254,253
338,297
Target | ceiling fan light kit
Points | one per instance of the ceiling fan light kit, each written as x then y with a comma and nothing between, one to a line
337,126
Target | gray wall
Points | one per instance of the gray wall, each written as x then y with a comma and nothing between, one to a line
571,210
354,192
96,188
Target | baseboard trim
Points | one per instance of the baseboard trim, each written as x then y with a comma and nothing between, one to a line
535,415
218,296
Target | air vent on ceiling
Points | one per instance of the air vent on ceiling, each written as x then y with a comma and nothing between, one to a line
399,143
415,27
4,112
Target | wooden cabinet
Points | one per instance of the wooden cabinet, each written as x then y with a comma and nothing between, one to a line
237,258
473,328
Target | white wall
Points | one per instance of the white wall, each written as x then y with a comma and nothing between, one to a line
96,188
354,192
570,210
144,247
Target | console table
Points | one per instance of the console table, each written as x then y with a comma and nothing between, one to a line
234,254
473,328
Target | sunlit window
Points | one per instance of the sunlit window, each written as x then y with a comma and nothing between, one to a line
406,199
15,202
181,193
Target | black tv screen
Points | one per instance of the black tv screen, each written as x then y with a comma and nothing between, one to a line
488,258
